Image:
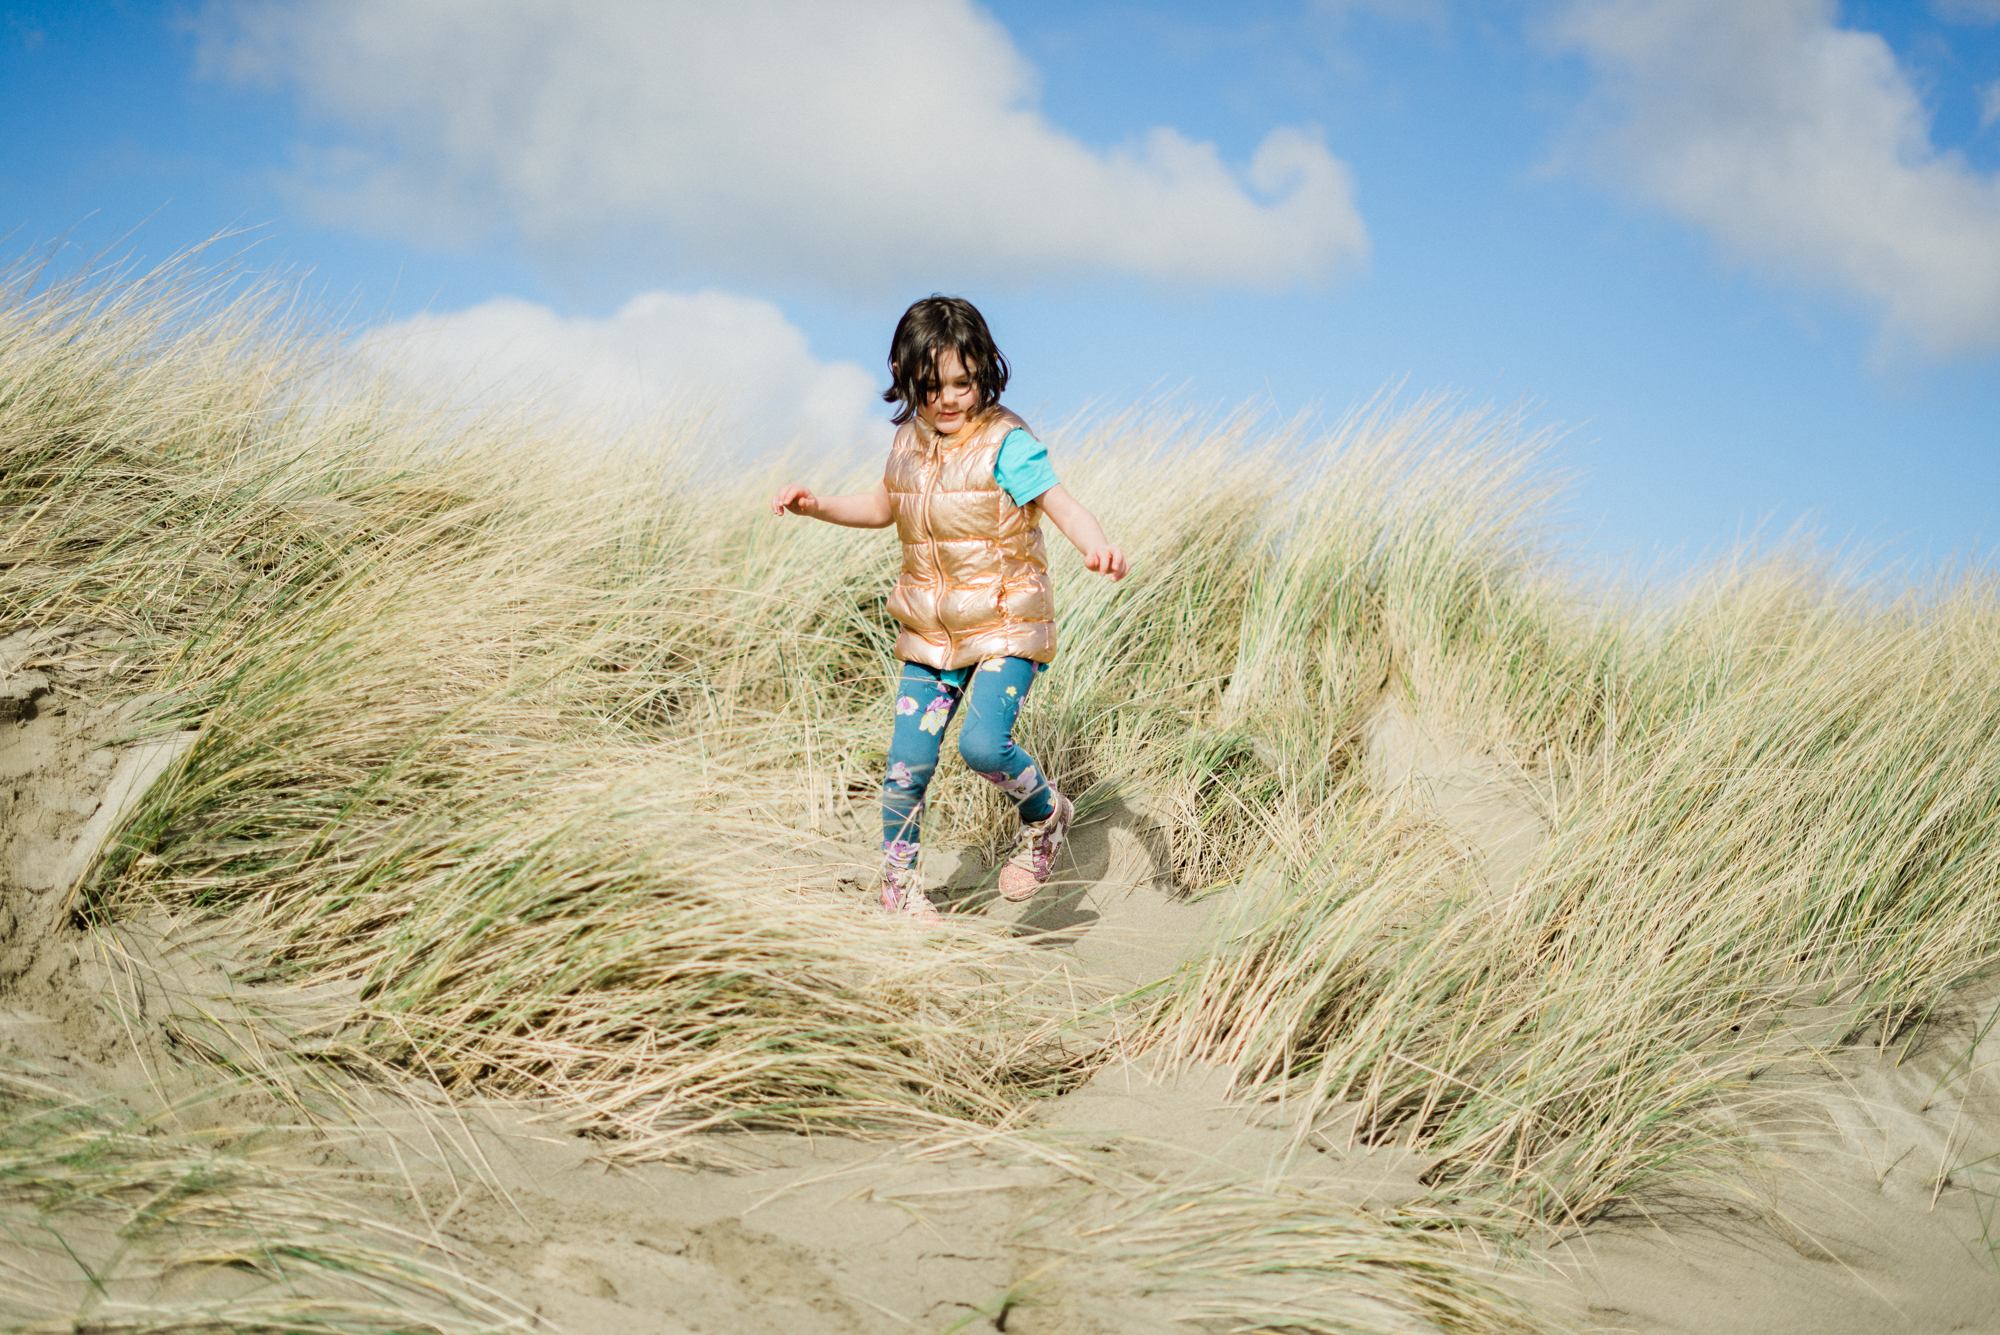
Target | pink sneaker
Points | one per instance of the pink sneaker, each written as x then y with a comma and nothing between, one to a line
1035,847
903,896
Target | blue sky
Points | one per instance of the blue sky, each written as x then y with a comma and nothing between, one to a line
1743,254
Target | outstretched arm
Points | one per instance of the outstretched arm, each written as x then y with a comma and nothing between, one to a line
868,510
1084,532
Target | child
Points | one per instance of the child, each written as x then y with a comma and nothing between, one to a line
966,487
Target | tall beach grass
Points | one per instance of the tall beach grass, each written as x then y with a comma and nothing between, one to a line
563,753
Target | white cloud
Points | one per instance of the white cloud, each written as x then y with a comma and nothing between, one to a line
664,352
1802,147
1989,104
863,143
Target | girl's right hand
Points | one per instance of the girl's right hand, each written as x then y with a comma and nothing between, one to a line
796,499
1107,560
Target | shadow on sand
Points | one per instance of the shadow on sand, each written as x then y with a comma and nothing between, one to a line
1062,912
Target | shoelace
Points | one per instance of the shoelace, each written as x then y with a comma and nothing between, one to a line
1031,848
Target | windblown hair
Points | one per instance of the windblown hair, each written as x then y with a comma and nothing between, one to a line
929,328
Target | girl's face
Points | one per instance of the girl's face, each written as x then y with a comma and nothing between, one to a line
951,406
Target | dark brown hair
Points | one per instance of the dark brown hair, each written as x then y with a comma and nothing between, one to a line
930,327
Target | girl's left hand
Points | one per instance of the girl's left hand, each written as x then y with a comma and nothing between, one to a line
1106,561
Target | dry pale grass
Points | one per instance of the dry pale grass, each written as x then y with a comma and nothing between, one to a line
557,756
114,1222
1263,1258
1781,793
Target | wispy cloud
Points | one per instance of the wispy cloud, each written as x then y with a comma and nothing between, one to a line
663,352
1801,146
866,144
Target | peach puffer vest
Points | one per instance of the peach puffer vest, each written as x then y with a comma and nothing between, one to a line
975,582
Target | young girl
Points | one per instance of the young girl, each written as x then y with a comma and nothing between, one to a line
966,487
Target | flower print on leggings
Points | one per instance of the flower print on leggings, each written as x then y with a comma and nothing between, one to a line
1021,787
936,713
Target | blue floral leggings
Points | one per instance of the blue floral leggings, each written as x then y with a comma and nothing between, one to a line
926,700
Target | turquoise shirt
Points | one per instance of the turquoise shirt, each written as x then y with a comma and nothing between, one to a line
1022,468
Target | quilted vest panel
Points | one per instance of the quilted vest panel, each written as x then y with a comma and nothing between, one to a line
975,581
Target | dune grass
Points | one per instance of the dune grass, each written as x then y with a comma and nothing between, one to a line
1794,804
114,1222
1261,1257
484,729
563,751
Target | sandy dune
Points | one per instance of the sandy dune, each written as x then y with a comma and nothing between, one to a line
1872,1211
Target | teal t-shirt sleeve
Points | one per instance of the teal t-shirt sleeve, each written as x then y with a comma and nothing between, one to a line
1022,468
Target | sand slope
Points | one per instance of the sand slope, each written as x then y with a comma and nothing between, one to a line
1875,1211
1869,1212
1875,1202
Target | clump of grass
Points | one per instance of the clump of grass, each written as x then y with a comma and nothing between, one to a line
1797,804
487,731
1264,1257
602,946
113,1222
